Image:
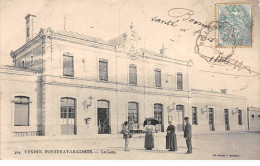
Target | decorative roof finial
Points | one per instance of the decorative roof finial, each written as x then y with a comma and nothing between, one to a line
131,26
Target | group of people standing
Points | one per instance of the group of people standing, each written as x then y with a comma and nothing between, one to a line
171,140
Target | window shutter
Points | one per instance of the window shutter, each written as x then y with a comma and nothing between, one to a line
21,116
68,67
158,78
132,75
179,81
103,71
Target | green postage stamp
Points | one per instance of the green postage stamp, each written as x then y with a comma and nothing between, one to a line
234,25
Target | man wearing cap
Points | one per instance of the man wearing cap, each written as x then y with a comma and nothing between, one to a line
187,135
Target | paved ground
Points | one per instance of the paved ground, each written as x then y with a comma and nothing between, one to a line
216,147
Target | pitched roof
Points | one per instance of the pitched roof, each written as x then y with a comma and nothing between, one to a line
77,35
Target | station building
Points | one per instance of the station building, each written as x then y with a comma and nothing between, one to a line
253,118
66,83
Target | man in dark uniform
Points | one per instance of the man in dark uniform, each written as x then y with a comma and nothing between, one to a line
188,135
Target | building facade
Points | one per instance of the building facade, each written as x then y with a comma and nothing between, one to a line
253,118
66,83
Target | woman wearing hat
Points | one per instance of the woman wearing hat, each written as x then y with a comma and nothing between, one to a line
149,139
172,141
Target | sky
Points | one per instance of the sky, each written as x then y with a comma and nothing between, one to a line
107,19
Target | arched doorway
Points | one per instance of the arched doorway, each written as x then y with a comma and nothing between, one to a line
103,118
68,116
180,117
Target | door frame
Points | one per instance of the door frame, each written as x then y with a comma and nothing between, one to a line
75,118
109,116
182,116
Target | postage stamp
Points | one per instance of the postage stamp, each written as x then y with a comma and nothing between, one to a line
234,25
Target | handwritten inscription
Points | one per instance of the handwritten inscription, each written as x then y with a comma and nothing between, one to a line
216,56
166,22
182,14
205,44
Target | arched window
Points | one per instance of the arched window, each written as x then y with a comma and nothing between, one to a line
21,111
133,112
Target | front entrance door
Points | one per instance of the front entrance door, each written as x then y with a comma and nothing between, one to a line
103,117
68,116
180,117
226,114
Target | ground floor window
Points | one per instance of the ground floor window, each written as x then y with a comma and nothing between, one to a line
240,117
194,116
211,119
133,112
226,116
21,111
253,116
158,114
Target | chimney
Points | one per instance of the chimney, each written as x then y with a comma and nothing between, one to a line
29,26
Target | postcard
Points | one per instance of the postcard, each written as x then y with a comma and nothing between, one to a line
130,80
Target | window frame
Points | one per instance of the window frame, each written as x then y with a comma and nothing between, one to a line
160,78
137,111
27,102
135,75
99,70
23,63
240,117
156,110
195,121
69,56
177,82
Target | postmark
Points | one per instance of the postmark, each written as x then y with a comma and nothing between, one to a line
234,28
